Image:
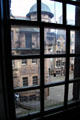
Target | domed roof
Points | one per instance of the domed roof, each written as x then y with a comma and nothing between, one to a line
44,9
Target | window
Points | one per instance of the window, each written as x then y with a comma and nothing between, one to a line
35,80
58,63
12,35
25,81
43,33
34,61
24,61
58,43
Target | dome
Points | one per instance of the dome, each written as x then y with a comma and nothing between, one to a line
44,9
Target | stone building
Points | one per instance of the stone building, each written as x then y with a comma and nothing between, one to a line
26,41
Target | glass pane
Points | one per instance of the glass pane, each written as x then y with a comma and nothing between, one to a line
25,10
70,14
73,15
27,102
51,11
72,42
75,42
71,68
77,68
74,92
54,41
74,69
25,40
26,73
54,96
54,70
70,93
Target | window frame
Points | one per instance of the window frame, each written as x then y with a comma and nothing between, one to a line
42,56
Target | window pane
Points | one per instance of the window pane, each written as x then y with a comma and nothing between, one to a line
73,15
23,75
54,96
75,42
54,70
55,41
25,40
74,92
70,93
71,68
72,42
51,11
74,68
24,10
27,102
70,14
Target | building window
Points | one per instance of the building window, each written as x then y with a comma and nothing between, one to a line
35,80
25,81
34,61
58,51
24,62
58,63
28,40
58,43
12,36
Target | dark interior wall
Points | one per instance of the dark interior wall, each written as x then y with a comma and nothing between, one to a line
2,106
76,86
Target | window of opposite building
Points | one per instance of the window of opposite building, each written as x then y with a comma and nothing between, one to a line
35,80
34,61
45,36
25,81
58,63
24,62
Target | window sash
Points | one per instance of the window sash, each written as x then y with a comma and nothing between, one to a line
42,25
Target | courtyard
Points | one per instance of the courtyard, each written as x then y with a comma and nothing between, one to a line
55,97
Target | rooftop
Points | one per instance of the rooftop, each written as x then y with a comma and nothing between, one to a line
44,9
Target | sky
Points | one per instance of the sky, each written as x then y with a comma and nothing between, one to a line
22,7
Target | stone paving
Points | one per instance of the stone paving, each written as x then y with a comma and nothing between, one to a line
56,96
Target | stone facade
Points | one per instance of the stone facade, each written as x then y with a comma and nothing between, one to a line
26,41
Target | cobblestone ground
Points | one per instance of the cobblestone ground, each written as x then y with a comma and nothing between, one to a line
56,96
